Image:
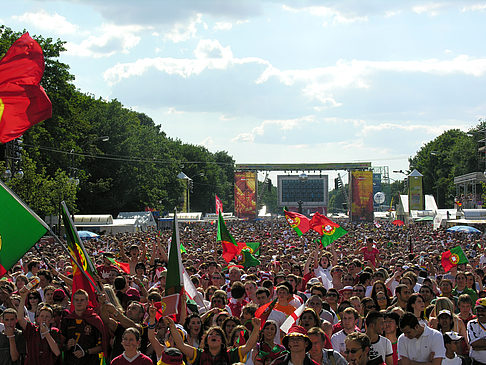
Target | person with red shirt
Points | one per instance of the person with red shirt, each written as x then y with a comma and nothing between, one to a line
131,356
370,252
41,340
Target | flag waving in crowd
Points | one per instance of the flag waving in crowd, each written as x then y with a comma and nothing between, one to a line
20,228
328,230
23,102
452,258
298,222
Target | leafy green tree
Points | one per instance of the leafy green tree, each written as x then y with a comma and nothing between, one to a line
453,153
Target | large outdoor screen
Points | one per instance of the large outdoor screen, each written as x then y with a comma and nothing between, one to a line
311,191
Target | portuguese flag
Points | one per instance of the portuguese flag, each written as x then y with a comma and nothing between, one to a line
254,248
230,248
20,228
328,230
247,259
82,275
123,266
453,257
299,222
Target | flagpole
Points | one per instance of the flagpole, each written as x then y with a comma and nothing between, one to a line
80,267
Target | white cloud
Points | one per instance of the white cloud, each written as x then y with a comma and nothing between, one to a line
209,55
47,22
475,7
431,9
184,31
283,125
328,14
112,39
223,26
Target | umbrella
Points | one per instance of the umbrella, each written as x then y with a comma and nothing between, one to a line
398,222
87,235
466,229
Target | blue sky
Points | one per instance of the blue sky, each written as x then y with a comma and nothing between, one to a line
279,81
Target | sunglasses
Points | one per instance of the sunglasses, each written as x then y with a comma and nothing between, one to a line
332,295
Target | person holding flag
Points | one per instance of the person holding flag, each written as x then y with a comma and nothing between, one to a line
370,252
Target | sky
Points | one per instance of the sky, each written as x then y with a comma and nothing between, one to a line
288,81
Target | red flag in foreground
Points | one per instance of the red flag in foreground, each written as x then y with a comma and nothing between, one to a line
264,311
298,222
167,306
23,102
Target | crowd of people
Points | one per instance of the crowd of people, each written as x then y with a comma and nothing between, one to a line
378,295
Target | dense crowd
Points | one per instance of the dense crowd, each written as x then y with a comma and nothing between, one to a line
378,295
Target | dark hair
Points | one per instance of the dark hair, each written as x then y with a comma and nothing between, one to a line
399,288
359,337
411,300
224,341
396,317
318,332
262,290
238,290
186,325
31,264
46,274
236,331
408,319
319,288
33,293
120,283
364,277
229,319
372,317
133,331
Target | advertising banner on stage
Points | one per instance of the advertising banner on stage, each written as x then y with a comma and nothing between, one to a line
362,196
415,192
246,194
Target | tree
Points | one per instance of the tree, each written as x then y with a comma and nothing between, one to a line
453,153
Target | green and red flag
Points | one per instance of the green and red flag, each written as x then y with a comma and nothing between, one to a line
23,102
175,281
298,222
230,248
123,266
453,257
254,248
20,228
82,275
329,230
247,258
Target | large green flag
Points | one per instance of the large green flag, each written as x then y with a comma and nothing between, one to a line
247,259
254,248
20,228
175,280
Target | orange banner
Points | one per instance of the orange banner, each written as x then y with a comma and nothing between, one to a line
362,196
246,194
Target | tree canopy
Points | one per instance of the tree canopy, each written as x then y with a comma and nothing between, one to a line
121,158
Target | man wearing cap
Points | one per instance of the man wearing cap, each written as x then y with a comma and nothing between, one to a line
419,344
451,343
298,344
476,332
446,321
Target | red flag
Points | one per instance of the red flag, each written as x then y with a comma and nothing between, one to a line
23,102
167,306
219,204
264,311
299,222
124,266
452,258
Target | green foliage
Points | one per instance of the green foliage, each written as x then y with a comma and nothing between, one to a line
336,201
268,197
451,154
136,167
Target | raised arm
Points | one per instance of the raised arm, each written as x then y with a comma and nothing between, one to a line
186,349
21,320
44,330
156,345
247,347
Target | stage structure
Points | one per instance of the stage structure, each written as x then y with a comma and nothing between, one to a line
308,193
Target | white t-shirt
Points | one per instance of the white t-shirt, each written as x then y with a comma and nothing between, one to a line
337,341
379,351
476,332
454,361
419,349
